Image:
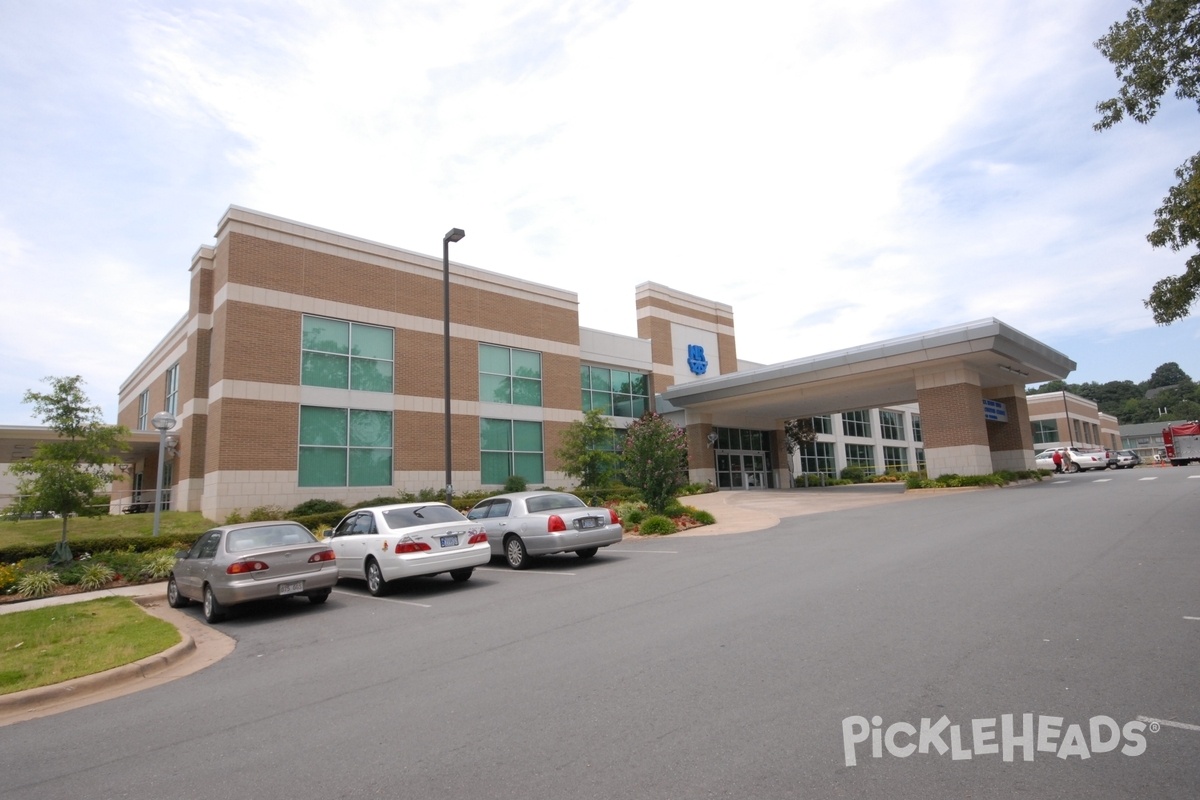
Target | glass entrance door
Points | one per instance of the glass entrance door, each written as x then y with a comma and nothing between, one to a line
742,470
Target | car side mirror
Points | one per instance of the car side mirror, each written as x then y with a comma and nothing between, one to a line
327,533
181,553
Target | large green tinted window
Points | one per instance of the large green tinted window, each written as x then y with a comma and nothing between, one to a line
345,447
616,392
510,376
346,355
510,447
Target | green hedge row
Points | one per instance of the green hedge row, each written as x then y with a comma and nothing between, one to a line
12,553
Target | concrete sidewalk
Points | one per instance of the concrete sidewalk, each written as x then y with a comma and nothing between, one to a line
759,509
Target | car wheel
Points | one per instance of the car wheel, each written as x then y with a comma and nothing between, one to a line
461,575
1074,467
515,553
587,552
320,597
376,585
213,610
174,598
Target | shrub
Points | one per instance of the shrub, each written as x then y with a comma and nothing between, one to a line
265,513
38,583
157,566
96,575
9,575
234,517
854,474
703,517
315,506
655,459
515,483
657,525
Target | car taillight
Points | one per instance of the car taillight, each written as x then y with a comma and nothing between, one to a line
479,537
324,555
407,545
612,516
242,567
555,524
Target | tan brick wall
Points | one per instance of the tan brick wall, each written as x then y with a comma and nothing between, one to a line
952,416
557,390
263,344
727,352
420,442
255,435
1016,433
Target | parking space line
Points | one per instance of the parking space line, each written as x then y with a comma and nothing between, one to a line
525,571
1195,618
1193,477
388,599
1169,723
1102,480
639,550
1151,478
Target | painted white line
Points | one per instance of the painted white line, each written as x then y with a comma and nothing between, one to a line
1192,477
1102,480
525,571
388,599
1168,723
639,550
1154,478
1195,618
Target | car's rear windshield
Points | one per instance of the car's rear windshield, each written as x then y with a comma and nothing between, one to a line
267,536
550,502
420,515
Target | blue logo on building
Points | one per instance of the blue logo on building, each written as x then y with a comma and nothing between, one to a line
696,360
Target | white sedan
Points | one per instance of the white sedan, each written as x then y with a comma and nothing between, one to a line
386,543
524,524
1074,459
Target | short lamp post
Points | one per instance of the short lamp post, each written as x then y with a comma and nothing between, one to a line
162,422
453,235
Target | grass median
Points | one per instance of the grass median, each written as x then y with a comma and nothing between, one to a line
44,646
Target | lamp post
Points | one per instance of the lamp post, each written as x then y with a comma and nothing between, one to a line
453,235
162,422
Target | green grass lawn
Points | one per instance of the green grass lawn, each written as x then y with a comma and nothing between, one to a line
45,646
48,531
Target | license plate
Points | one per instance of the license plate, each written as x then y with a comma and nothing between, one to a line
588,522
291,588
450,541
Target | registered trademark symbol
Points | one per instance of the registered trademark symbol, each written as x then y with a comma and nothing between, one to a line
1155,727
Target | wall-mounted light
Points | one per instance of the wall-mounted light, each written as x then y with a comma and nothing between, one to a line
712,439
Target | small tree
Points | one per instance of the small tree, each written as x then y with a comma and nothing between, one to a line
586,451
655,459
796,434
65,474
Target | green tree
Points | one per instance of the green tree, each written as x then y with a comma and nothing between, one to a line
1168,374
655,460
64,474
586,452
1155,47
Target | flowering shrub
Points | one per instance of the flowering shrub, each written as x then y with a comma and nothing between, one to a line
655,459
9,575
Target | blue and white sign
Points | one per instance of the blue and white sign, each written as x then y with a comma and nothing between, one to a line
994,411
697,363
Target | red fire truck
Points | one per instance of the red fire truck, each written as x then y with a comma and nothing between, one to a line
1182,443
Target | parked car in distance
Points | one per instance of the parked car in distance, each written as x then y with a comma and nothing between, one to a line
235,564
1110,458
381,544
1127,459
1075,459
522,525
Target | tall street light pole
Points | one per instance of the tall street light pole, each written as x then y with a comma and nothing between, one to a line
163,421
453,235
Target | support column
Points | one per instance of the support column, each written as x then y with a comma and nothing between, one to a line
1011,442
952,425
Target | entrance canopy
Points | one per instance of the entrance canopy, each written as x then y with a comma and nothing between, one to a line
871,376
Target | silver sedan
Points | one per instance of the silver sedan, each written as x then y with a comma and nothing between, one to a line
524,524
251,561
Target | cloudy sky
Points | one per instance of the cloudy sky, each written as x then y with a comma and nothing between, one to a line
839,173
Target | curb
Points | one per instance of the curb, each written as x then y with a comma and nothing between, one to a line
141,669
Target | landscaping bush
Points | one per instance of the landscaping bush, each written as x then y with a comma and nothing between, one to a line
38,583
854,474
315,506
95,575
515,483
703,517
657,525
